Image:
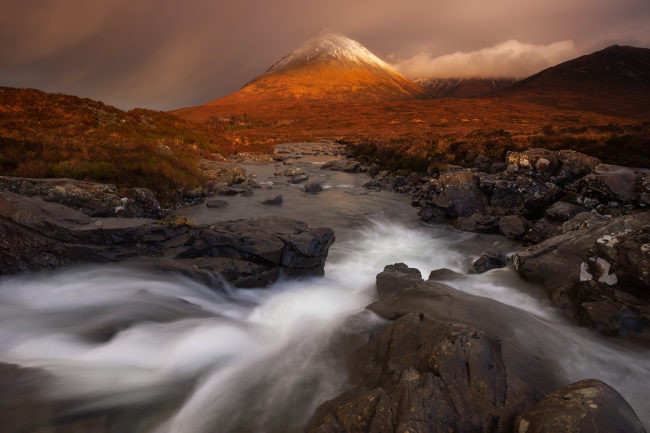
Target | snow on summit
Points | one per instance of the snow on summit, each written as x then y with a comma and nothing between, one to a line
328,46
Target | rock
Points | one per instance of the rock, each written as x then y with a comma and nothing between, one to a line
478,223
424,376
343,165
37,234
512,226
574,165
533,161
394,278
288,172
214,203
560,167
598,269
542,230
313,188
563,211
275,201
217,171
299,178
612,185
492,259
455,193
587,406
91,198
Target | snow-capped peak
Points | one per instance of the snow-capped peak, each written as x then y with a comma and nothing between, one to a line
331,46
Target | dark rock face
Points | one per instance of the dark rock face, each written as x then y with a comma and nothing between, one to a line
429,377
275,201
490,260
598,268
249,253
299,178
588,406
313,188
347,165
616,185
91,198
455,194
395,278
512,226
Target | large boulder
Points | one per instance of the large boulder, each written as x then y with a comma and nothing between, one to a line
613,185
560,167
425,376
598,268
587,406
454,194
394,278
37,234
91,198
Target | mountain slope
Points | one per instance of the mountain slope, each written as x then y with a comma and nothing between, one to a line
464,87
329,67
53,135
615,80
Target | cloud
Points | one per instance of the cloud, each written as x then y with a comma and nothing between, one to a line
507,59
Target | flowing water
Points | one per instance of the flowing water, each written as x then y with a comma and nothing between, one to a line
163,353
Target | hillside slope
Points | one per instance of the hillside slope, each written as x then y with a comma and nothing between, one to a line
53,135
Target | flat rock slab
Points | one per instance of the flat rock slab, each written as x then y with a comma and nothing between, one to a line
251,253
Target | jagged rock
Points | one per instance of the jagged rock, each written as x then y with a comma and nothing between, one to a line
214,203
38,234
92,198
424,376
455,194
313,188
275,201
563,211
588,406
542,230
512,226
614,185
492,259
478,223
561,167
597,268
394,278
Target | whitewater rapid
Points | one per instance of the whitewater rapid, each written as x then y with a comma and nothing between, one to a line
166,354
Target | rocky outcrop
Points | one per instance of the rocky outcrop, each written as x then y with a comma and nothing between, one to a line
588,406
422,373
429,371
249,253
614,186
598,268
91,198
221,171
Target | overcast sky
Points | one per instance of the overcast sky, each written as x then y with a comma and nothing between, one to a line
166,54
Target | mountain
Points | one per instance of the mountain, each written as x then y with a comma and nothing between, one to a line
329,67
54,135
463,87
615,80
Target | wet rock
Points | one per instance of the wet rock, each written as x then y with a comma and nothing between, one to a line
91,198
456,194
275,201
346,165
394,278
37,234
563,211
512,226
313,188
426,376
299,178
588,406
542,230
598,269
613,185
492,259
214,203
478,223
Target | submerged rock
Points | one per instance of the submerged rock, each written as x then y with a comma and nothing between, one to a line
313,188
492,259
275,201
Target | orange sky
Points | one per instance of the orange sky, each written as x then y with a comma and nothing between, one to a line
166,54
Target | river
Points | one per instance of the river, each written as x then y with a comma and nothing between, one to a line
163,353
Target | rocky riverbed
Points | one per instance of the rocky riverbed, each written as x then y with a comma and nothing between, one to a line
119,318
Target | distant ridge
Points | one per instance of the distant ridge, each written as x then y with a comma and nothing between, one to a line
329,67
615,80
464,87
